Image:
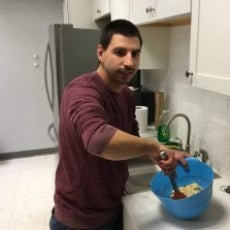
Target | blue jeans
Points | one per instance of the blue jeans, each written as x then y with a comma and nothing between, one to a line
115,224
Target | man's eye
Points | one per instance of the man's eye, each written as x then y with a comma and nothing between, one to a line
135,54
120,53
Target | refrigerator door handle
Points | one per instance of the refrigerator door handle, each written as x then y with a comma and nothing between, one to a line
52,132
48,56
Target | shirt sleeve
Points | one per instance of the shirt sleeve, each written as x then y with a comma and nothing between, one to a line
90,121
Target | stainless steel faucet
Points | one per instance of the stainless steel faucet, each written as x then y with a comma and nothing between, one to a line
187,146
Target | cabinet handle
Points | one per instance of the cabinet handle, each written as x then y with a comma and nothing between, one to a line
188,74
149,10
98,11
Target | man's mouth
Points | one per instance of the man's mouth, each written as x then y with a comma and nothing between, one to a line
126,71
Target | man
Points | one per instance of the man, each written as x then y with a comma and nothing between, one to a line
97,133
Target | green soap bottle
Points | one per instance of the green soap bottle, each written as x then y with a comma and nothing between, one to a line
163,134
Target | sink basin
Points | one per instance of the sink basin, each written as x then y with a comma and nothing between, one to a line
138,183
140,175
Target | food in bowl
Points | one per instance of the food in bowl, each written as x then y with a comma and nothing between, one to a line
188,190
189,207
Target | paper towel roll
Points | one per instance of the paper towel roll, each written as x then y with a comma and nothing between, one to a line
142,118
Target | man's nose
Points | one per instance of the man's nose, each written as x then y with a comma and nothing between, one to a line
129,61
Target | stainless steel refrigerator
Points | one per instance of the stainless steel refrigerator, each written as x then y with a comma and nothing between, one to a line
70,52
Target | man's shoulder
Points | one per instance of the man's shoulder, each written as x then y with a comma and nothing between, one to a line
85,84
82,81
85,78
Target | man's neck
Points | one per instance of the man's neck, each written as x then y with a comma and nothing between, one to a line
111,85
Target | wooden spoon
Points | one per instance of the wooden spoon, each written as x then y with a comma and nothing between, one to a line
177,193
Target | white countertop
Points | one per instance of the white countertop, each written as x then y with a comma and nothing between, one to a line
143,211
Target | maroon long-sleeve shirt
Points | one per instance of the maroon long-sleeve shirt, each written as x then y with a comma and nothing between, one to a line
89,188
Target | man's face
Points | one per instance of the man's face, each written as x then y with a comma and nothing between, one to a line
121,59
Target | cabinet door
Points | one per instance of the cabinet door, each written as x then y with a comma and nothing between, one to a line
210,46
167,9
100,8
76,12
151,11
119,9
142,11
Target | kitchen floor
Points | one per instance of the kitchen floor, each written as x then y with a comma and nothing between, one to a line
26,191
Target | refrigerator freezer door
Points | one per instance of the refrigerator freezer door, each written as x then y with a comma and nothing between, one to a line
75,53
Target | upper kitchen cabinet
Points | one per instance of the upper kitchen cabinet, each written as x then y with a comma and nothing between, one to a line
153,11
78,13
142,11
209,49
119,9
101,8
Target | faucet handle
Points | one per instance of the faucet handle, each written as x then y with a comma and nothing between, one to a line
180,143
202,155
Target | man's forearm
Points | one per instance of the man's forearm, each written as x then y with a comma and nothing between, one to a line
125,146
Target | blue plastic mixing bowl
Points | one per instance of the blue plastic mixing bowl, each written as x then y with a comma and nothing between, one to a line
189,207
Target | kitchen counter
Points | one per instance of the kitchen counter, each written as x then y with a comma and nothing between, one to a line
143,211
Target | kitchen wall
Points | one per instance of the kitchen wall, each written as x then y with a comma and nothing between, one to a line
209,112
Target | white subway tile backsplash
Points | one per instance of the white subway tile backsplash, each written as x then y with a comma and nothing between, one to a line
178,61
213,104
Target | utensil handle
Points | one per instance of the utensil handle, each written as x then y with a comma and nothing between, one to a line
163,155
172,175
173,182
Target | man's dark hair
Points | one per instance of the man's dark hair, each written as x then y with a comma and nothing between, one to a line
120,26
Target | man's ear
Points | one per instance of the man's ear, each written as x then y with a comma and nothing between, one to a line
100,52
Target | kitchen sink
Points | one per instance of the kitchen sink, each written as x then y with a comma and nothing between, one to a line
138,183
140,174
